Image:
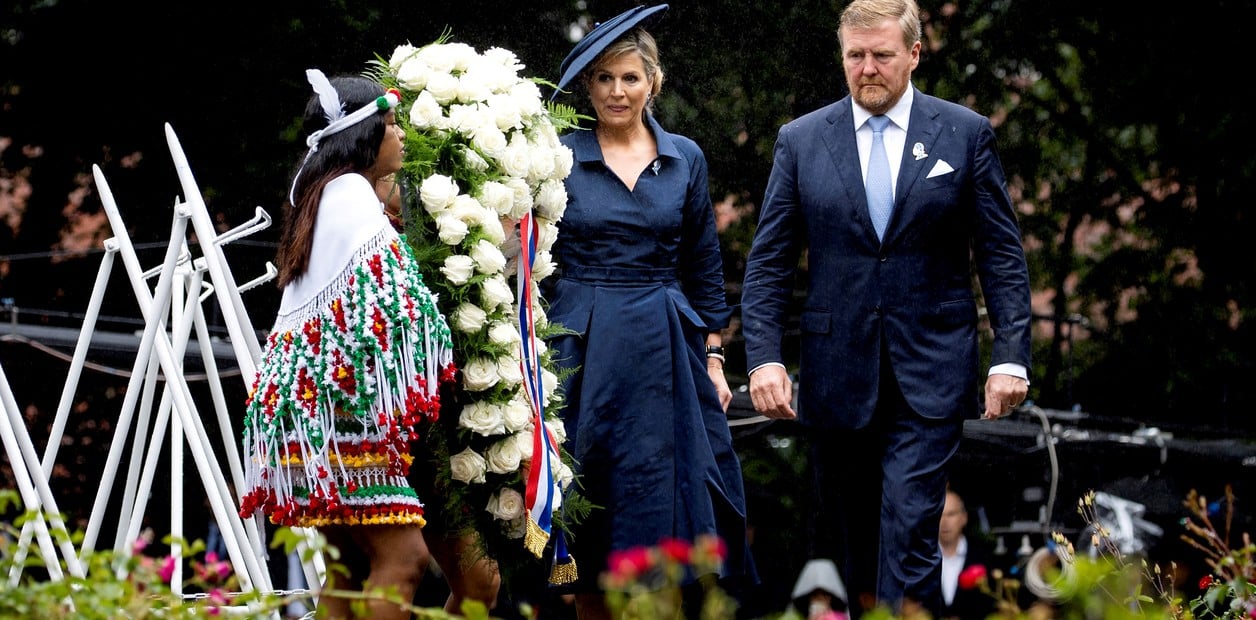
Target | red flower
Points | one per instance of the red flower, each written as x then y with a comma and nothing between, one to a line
972,577
630,562
676,550
1206,582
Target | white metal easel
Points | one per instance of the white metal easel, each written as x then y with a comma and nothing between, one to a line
173,311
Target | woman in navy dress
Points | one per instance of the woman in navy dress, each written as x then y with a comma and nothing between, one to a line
641,285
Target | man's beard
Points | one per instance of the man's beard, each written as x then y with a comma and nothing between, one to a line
877,100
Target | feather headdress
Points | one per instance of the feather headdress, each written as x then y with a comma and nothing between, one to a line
327,96
337,120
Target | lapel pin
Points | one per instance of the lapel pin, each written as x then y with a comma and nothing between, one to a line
918,150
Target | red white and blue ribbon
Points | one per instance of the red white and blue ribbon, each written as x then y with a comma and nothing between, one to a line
544,495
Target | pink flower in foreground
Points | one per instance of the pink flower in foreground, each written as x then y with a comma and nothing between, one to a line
167,569
217,598
972,577
213,570
711,546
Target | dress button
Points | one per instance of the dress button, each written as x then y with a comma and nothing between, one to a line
876,310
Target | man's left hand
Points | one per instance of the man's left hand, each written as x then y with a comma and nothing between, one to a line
1003,394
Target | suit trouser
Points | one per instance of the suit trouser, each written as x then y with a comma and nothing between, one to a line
879,494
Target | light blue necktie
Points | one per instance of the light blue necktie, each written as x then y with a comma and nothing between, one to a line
878,186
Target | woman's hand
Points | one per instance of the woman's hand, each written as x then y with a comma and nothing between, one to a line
715,370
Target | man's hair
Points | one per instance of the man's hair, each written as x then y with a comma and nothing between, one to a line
869,13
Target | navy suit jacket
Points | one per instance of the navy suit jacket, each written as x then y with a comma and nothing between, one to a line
973,604
914,289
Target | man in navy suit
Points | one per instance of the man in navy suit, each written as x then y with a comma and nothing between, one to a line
889,353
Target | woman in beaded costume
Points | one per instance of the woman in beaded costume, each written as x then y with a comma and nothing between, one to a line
354,363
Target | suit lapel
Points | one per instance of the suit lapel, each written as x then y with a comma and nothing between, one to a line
839,138
922,130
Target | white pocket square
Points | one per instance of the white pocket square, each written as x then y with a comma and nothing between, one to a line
940,168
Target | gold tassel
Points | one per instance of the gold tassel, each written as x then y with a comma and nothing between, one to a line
564,573
535,538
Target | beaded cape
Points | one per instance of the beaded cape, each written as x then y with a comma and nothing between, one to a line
347,377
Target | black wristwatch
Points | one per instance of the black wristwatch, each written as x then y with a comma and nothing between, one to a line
714,349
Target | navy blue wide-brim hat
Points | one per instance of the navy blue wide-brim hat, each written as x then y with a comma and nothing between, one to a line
601,37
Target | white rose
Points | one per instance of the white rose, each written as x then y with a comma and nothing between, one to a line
443,86
471,88
451,230
437,192
509,371
488,138
495,293
523,442
484,418
527,96
551,200
546,233
505,333
563,160
539,318
463,117
558,430
549,383
540,347
400,55
468,466
440,57
516,158
542,266
458,269
473,160
563,475
517,413
505,112
540,161
503,457
469,318
480,374
495,76
425,113
504,58
493,228
498,197
523,197
466,208
487,257
506,505
413,73
463,55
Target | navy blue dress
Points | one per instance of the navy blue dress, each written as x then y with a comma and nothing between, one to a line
640,280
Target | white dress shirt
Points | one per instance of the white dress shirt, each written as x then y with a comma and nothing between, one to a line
952,566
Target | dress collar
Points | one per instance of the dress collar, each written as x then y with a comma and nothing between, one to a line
585,147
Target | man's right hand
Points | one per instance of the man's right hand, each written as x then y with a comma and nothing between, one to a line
771,391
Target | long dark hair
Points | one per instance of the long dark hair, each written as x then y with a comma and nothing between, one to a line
353,149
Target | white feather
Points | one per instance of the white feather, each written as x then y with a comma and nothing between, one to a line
332,108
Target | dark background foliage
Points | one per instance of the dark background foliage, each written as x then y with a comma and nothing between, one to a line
1129,159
